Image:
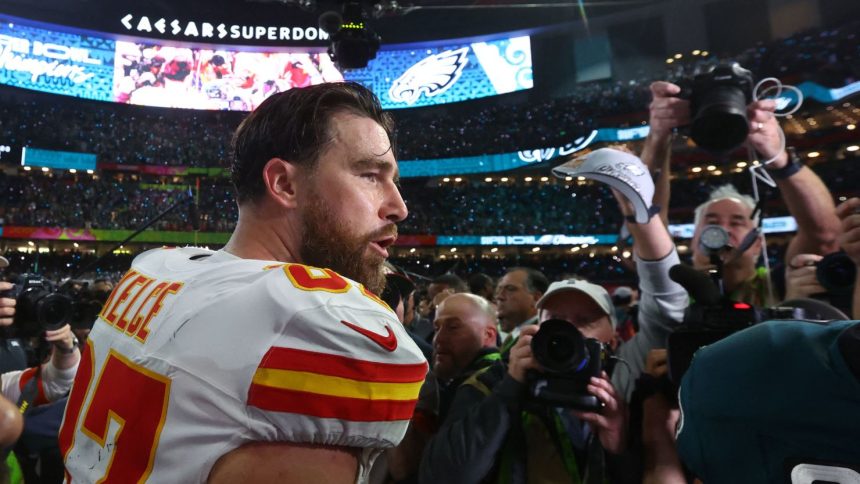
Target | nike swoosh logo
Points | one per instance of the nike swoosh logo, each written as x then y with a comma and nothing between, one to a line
387,342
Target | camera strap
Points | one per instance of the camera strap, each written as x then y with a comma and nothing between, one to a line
596,461
30,392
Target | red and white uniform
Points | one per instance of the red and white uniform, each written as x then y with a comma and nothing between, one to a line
198,352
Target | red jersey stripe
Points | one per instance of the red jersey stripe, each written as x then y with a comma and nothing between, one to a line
324,406
334,365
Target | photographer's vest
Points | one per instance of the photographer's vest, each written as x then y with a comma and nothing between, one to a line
543,439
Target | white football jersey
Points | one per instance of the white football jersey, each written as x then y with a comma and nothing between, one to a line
198,352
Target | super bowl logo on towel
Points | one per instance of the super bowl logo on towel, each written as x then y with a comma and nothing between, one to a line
431,76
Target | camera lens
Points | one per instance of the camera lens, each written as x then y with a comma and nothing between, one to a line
836,273
53,311
559,347
720,123
718,103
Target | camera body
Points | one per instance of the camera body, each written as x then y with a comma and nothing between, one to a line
569,360
42,306
712,317
718,106
706,324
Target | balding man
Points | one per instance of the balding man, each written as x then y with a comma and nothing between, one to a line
465,333
464,344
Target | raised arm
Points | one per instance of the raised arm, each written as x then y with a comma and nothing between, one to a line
850,242
803,192
666,112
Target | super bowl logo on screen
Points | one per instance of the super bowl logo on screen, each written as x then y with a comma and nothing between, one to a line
431,76
53,61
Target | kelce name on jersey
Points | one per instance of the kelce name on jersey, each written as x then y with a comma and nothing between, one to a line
135,301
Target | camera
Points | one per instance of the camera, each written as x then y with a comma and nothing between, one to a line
569,360
718,106
836,272
712,317
42,306
707,324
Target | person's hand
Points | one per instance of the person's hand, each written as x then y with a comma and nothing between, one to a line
666,111
62,338
7,305
657,363
611,423
521,358
849,240
764,132
800,278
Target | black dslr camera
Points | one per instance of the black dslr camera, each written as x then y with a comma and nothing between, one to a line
42,306
711,317
718,106
569,360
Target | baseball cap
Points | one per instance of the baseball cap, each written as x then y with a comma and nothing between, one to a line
597,294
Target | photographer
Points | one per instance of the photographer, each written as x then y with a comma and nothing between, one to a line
803,192
54,378
39,392
494,430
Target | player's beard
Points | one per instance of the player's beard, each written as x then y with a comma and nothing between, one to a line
329,243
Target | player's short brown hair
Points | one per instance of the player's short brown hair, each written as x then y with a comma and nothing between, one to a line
295,126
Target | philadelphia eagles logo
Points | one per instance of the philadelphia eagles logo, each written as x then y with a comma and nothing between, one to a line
432,76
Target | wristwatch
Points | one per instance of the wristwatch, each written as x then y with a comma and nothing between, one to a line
68,351
793,166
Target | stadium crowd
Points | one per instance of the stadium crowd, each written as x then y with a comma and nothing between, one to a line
472,207
114,133
488,410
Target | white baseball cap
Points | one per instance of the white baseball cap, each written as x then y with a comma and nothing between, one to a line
597,294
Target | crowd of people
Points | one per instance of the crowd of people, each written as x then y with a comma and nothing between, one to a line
472,207
357,367
473,128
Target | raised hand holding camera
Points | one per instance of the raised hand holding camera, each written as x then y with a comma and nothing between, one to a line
800,276
63,339
7,304
569,362
667,111
611,422
521,359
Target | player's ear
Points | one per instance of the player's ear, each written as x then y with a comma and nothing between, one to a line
281,179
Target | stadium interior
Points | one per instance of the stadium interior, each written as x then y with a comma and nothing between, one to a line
146,158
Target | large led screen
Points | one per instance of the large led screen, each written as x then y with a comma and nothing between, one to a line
159,73
181,77
55,61
404,78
